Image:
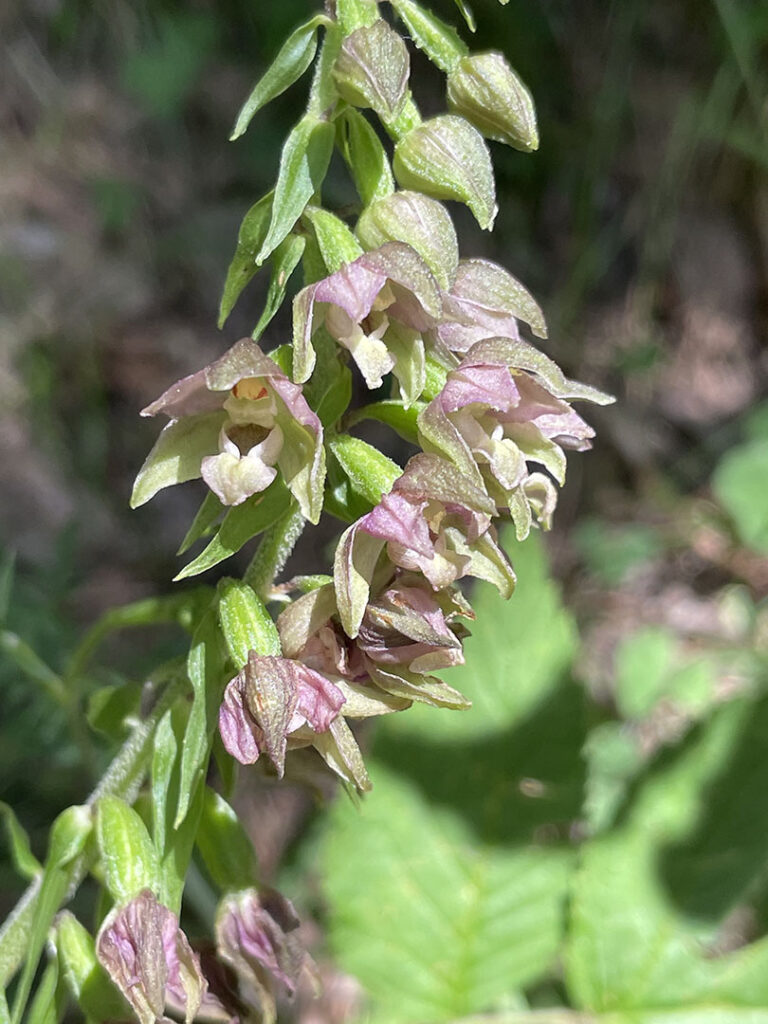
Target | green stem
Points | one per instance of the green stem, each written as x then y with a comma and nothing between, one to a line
122,778
273,551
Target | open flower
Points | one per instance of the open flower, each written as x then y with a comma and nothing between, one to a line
271,701
149,959
506,406
378,306
236,423
437,521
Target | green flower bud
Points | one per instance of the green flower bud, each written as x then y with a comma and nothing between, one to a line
419,221
485,90
447,159
372,70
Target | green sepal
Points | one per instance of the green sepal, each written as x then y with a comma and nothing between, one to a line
370,473
241,524
303,165
177,454
22,858
243,267
128,857
338,245
224,846
285,259
439,41
245,623
364,156
293,59
394,414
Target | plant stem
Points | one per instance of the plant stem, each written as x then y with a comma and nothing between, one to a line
273,551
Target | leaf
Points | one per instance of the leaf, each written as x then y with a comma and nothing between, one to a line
43,1009
394,414
439,41
127,854
303,165
205,667
7,570
243,267
87,981
24,861
177,454
739,485
227,852
371,473
284,261
241,524
329,390
204,522
293,59
365,157
452,876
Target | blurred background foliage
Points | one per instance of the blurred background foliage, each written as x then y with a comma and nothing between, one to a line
593,834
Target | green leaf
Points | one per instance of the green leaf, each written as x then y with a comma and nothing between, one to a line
43,1009
69,834
338,245
245,623
7,569
127,854
227,852
440,42
739,486
24,861
467,15
452,876
394,414
370,473
329,390
303,165
205,667
295,56
241,524
112,710
85,978
365,157
284,261
204,522
244,265
177,454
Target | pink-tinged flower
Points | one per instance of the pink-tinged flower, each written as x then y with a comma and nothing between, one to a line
436,521
406,632
236,423
505,406
378,306
274,702
149,959
486,301
256,935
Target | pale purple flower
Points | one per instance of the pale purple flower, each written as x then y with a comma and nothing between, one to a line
505,406
236,423
269,702
378,307
149,959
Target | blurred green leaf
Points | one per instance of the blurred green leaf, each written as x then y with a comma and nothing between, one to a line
612,551
112,710
243,267
24,861
739,484
43,1009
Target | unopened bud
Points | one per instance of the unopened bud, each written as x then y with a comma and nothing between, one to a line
419,221
372,70
447,159
485,90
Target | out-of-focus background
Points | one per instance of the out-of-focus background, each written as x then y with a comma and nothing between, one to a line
641,225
